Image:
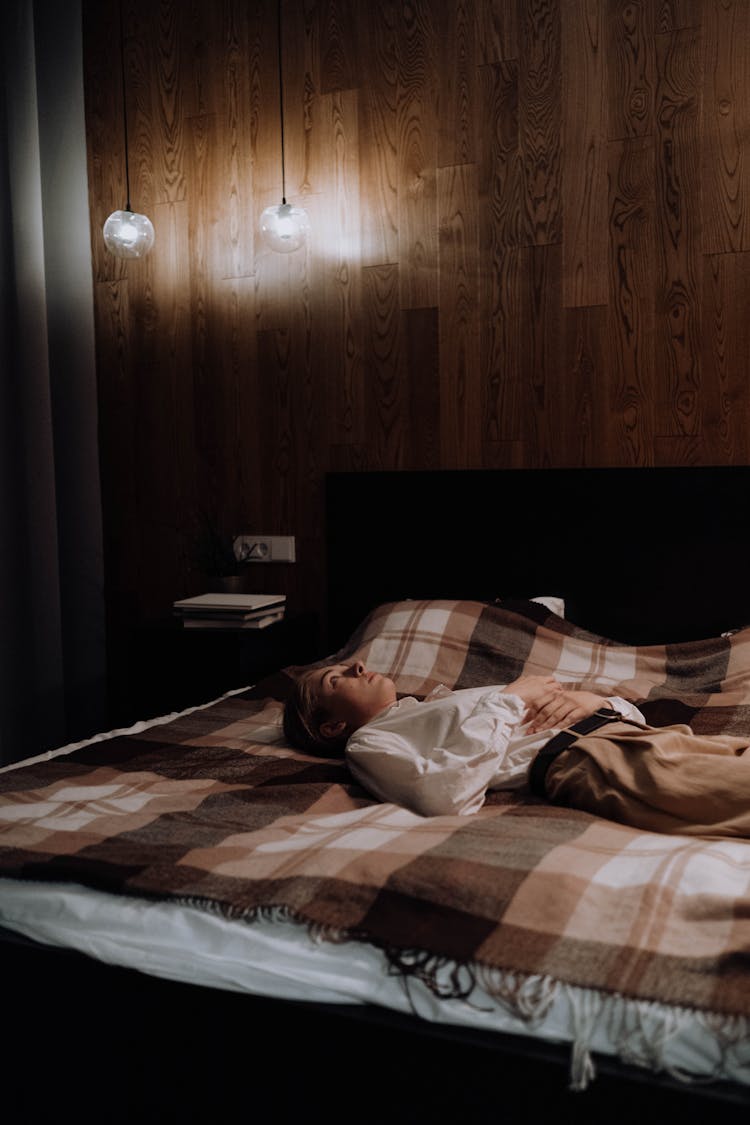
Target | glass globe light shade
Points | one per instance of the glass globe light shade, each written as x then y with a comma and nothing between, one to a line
128,234
284,228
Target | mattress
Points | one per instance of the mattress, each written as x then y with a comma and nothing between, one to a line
274,957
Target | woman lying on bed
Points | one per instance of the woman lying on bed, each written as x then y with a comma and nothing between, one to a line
573,747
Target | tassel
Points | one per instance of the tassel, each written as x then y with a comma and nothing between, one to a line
585,1007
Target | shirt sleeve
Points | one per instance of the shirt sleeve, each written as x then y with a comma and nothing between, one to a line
446,778
626,709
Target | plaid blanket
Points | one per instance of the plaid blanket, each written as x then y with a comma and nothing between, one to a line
214,809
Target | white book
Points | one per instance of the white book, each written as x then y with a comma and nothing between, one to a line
229,603
260,622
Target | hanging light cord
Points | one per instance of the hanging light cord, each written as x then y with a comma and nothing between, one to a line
281,102
124,111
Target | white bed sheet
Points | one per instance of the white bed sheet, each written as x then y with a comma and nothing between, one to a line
280,959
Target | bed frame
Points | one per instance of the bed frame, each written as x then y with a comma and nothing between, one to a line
641,555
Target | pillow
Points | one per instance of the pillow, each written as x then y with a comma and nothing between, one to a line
553,604
423,644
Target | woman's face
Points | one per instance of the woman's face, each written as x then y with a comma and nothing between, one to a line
350,694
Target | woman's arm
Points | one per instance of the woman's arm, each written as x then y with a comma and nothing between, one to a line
432,771
564,707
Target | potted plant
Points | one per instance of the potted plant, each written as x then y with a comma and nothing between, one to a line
214,556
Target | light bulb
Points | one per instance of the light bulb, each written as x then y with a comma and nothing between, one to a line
284,228
128,234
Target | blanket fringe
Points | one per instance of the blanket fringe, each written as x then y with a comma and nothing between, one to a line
529,997
318,931
586,1008
639,1030
646,1029
446,979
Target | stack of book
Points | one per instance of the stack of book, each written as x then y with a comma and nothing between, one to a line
230,611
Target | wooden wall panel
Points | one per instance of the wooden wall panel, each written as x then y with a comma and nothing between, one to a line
461,432
497,30
671,15
580,408
165,93
378,133
302,86
629,368
418,135
420,327
725,337
584,148
540,116
342,316
679,222
499,187
234,115
629,31
457,68
726,182
539,354
385,376
529,247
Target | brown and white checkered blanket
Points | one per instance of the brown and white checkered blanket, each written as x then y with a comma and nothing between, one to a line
213,808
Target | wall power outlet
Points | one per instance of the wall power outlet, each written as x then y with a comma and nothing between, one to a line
264,548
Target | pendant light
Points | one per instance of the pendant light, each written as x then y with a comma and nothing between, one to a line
284,228
126,233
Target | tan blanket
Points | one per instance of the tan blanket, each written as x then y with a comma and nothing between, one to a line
214,809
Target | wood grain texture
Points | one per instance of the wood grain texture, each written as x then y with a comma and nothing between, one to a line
528,248
726,173
726,346
499,180
497,25
678,218
540,118
421,329
672,15
386,385
342,276
339,47
461,424
378,132
630,40
539,358
302,83
629,369
234,115
457,66
578,404
172,361
417,155
584,184
161,117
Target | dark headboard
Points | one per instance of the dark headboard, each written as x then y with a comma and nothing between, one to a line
643,556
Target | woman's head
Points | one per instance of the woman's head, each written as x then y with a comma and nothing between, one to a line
328,704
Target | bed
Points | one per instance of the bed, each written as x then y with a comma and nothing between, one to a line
205,920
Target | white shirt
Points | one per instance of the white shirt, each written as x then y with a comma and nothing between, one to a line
441,756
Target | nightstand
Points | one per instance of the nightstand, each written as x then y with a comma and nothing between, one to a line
173,667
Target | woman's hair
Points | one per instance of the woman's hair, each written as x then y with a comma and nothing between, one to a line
303,716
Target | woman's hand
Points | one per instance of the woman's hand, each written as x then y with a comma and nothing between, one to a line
562,707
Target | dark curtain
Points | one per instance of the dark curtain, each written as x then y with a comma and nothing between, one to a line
52,643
